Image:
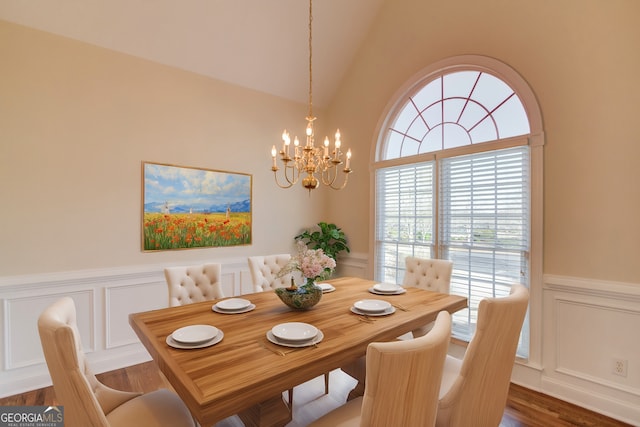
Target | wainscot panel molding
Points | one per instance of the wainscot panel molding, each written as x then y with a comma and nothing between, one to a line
104,298
587,326
591,350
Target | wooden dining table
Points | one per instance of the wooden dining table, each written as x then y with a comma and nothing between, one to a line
246,374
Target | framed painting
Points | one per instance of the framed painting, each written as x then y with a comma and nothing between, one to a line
188,207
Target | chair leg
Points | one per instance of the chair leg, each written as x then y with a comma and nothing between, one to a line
291,400
326,383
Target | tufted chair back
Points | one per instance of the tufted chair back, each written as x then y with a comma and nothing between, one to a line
474,390
264,269
193,283
428,274
88,402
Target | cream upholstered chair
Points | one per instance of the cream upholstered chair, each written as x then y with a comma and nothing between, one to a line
87,402
402,383
264,269
189,284
193,283
474,390
429,274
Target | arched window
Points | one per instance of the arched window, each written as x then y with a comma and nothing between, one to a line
453,180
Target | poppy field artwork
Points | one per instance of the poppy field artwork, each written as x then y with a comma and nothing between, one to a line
186,207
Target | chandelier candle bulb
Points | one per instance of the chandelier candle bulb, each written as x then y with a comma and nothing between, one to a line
273,155
285,136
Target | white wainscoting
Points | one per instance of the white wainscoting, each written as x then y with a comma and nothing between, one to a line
104,299
587,325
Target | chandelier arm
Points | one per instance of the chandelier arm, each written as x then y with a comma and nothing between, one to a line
290,181
344,184
295,174
275,176
326,175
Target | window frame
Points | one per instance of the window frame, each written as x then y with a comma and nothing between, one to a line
535,140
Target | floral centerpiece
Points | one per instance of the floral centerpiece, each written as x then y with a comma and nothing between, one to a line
313,265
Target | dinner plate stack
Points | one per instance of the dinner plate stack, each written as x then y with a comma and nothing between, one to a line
295,334
387,289
195,336
233,306
372,307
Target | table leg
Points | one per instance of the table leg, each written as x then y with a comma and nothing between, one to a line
273,412
357,370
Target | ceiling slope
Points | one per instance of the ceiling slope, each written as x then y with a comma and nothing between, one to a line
258,44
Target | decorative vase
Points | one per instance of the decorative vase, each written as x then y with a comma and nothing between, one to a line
301,297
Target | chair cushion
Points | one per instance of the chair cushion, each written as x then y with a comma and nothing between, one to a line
155,409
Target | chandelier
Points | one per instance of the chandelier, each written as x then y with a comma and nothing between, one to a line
310,159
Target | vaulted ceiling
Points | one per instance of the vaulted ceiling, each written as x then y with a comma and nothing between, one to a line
258,44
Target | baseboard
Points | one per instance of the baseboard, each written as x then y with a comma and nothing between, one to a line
625,411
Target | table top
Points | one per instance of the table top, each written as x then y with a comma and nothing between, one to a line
240,371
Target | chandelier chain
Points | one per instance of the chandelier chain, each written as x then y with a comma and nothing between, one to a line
310,58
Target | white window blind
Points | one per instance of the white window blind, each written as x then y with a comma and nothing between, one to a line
404,217
484,228
482,221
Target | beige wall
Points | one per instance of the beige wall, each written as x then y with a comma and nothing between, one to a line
76,122
582,60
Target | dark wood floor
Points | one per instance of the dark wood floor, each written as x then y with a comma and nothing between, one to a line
525,408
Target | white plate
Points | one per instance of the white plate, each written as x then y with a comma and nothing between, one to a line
371,305
388,311
314,341
294,332
175,344
399,292
233,304
194,334
326,287
387,288
243,310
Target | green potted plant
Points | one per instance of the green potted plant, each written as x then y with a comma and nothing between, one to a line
329,238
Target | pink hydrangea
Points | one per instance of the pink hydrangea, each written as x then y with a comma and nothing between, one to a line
312,263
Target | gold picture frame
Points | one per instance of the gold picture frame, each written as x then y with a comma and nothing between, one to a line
189,207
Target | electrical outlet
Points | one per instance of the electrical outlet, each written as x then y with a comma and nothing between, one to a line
619,367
